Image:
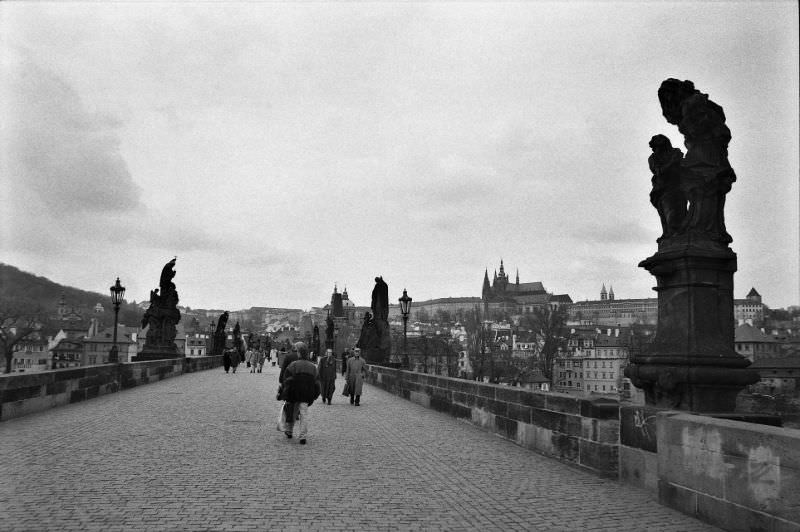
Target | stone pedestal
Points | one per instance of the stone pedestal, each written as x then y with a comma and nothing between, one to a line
691,364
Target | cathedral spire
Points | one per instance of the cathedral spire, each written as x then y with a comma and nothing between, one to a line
502,271
517,275
603,293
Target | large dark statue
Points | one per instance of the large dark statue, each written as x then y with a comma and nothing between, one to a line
238,344
667,195
161,318
315,340
375,339
702,178
380,300
329,328
220,336
691,363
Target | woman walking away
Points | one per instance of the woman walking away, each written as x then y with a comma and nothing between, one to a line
250,359
355,376
226,360
327,375
235,359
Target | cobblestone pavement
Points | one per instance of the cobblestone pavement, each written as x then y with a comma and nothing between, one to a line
201,452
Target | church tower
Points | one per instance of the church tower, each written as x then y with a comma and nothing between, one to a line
487,290
611,293
502,280
603,293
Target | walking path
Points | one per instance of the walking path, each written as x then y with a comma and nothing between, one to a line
201,452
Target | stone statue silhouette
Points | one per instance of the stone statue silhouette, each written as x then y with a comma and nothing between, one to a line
162,316
705,175
375,338
220,337
329,327
667,195
380,300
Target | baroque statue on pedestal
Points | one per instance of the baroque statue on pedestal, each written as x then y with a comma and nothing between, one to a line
689,191
162,316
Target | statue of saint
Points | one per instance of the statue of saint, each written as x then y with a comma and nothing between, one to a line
667,196
705,174
380,300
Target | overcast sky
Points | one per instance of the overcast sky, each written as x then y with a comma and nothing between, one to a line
279,148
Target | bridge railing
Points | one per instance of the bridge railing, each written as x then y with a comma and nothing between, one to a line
733,474
26,393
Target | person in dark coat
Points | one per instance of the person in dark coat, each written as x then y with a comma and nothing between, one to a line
289,409
236,358
226,360
355,376
327,375
301,389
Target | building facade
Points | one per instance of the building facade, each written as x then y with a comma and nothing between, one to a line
615,312
750,309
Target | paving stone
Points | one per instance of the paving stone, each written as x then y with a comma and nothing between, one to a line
200,452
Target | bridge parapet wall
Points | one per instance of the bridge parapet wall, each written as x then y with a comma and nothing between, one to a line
580,431
26,393
733,474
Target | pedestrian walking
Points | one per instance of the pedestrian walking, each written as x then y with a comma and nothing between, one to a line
226,360
300,389
355,376
327,375
236,358
262,356
249,358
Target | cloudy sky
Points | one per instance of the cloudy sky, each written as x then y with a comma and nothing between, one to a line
279,148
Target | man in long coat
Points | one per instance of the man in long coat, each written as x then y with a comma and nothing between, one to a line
355,377
327,375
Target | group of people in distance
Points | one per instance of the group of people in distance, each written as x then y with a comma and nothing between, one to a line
301,382
255,359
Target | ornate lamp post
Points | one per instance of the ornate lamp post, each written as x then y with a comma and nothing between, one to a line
487,327
212,327
117,295
405,308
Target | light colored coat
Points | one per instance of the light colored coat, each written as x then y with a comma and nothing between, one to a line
355,377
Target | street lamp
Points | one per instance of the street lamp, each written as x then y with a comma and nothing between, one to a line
405,308
117,294
212,327
486,340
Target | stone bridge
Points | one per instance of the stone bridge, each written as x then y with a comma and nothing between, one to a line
201,452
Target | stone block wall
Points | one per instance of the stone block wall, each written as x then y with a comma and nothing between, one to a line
732,474
579,431
22,394
739,476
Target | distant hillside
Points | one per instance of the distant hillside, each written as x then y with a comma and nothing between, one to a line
17,284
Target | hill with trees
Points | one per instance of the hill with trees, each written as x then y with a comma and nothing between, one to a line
40,292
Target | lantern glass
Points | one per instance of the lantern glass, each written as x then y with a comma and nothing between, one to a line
117,293
405,303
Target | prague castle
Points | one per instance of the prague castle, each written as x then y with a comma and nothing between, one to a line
503,296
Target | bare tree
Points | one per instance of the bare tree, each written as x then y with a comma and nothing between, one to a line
18,320
548,325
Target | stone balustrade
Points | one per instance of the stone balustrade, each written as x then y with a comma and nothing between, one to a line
733,474
584,432
26,393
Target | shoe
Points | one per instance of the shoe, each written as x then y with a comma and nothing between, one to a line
303,441
288,434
